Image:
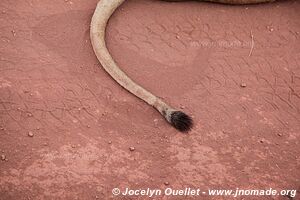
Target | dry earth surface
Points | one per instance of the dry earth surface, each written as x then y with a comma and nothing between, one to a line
66,128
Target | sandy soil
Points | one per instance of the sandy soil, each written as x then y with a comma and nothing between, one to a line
66,127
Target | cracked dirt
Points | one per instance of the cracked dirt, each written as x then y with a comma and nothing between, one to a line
66,127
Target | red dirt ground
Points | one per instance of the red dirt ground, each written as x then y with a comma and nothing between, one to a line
197,56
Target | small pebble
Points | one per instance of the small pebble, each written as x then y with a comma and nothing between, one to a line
261,141
3,157
167,183
279,134
131,148
109,142
30,134
243,85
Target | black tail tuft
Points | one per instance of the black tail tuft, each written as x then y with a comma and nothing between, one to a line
181,121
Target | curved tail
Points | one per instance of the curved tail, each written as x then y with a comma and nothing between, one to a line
104,10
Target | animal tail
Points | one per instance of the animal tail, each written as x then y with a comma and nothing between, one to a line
104,10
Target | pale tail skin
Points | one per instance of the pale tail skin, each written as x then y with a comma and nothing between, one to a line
104,10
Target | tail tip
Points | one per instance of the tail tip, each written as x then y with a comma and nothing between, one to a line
181,121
